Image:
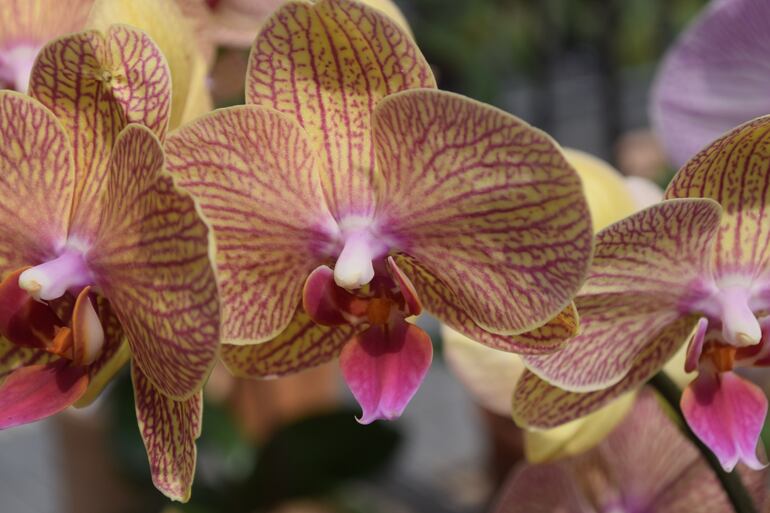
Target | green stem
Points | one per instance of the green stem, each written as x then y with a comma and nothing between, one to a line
731,482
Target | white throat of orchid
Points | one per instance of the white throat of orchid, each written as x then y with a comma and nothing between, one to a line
16,65
361,246
733,303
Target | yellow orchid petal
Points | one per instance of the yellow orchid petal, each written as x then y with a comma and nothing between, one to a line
165,23
608,195
577,436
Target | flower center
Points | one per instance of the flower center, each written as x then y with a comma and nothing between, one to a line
355,265
52,279
16,65
730,304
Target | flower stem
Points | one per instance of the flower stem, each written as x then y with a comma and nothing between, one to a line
731,481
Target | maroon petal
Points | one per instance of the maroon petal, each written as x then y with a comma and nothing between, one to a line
384,366
329,304
727,413
39,391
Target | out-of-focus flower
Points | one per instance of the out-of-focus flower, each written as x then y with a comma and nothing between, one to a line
102,256
27,25
714,77
491,374
645,464
414,196
694,268
235,23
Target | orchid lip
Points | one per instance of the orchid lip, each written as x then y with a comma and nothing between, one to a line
51,279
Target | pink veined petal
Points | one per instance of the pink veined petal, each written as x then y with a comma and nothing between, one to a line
545,488
642,270
39,391
485,203
255,176
695,346
734,170
727,413
342,57
384,366
713,77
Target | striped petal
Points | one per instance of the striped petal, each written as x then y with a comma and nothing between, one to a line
440,300
152,262
327,64
303,344
542,489
486,203
35,392
37,185
165,23
254,174
643,267
384,366
169,430
96,84
538,404
735,171
25,26
712,78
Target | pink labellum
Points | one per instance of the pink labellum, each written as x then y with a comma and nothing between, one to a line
727,413
384,366
405,286
327,303
695,347
39,391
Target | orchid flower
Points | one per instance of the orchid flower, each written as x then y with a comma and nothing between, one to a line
646,464
692,269
491,375
102,257
714,77
25,26
348,193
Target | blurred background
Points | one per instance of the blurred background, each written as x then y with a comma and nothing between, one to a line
580,70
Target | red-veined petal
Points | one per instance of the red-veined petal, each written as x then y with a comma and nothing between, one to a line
254,175
327,64
169,430
485,203
152,260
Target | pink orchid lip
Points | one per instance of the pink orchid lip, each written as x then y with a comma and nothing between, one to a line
52,279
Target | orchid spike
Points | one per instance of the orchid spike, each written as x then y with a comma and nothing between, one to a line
646,464
349,194
103,258
695,270
27,25
713,77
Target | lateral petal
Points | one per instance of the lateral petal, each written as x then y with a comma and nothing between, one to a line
303,344
485,202
727,413
643,269
169,430
38,182
38,391
327,64
254,175
152,260
384,366
734,170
